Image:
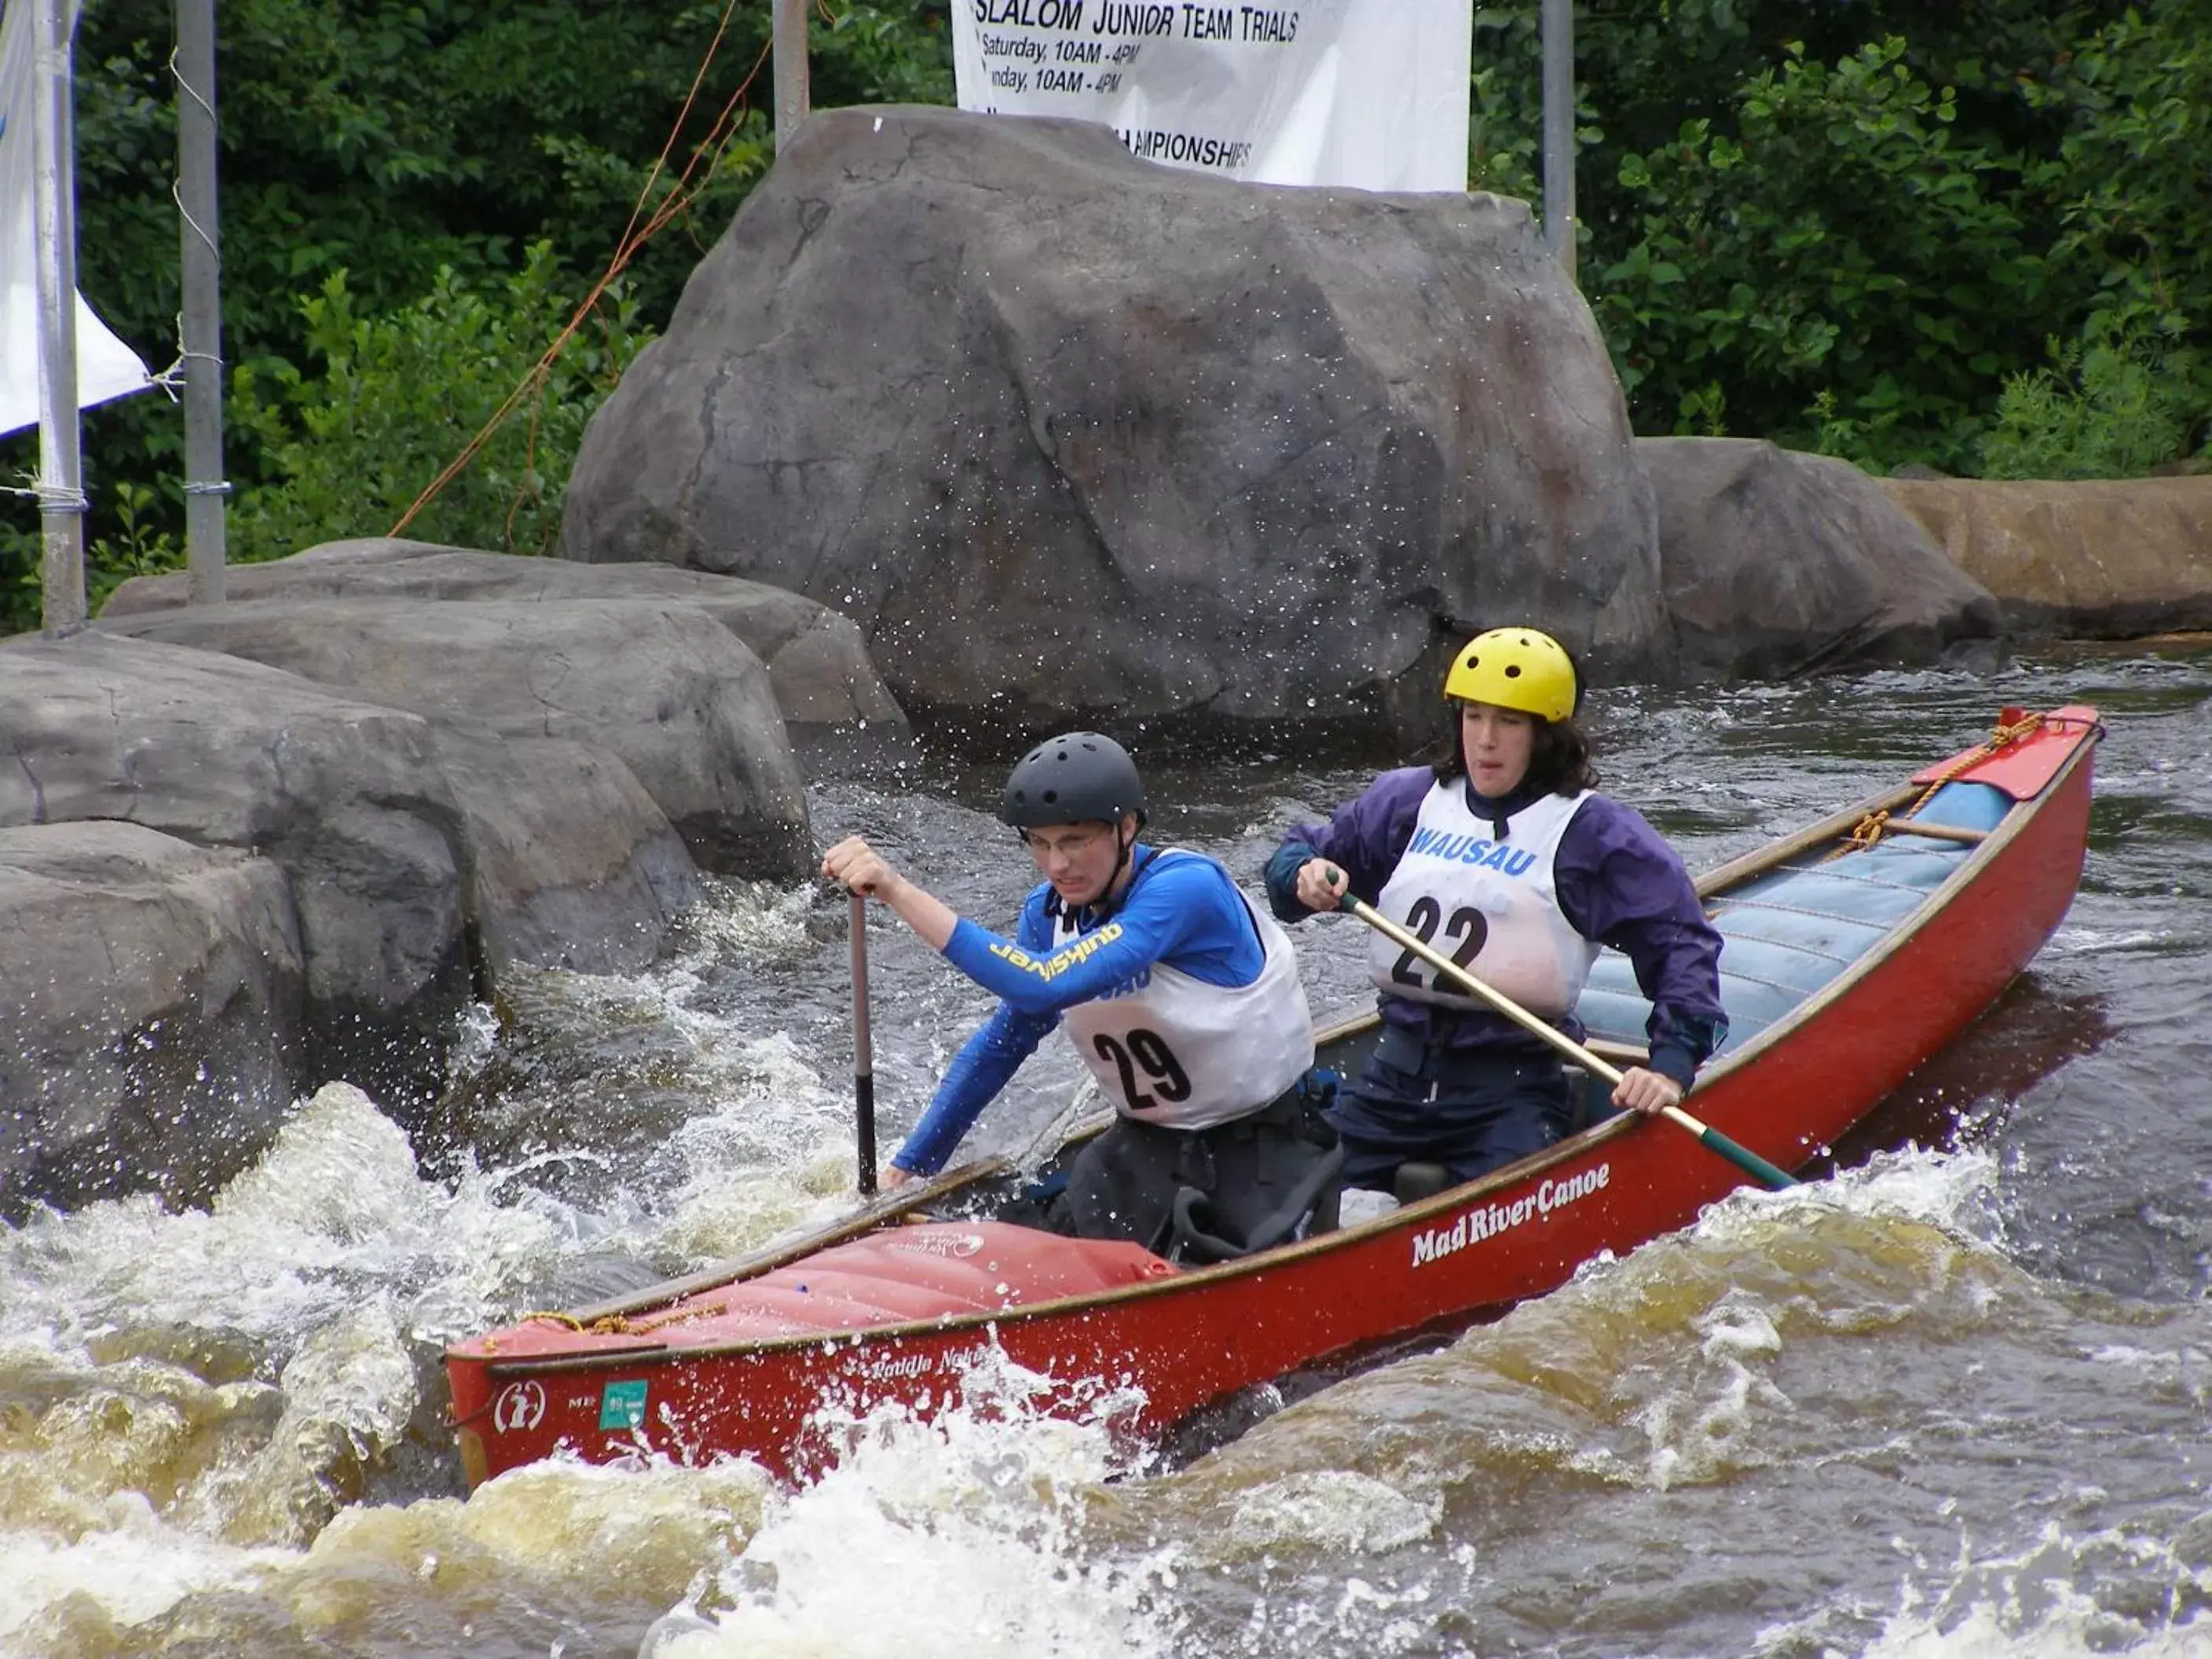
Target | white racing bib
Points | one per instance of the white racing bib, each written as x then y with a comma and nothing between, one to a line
1491,906
1174,1051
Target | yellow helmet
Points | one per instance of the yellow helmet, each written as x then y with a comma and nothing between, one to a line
1515,668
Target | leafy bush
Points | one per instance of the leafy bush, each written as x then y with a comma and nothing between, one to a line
2113,404
400,396
1843,243
1854,247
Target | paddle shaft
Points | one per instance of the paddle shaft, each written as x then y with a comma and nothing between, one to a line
864,1065
1743,1157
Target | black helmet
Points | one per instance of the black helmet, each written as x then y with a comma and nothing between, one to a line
1073,779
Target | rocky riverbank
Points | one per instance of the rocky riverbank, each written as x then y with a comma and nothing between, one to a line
251,847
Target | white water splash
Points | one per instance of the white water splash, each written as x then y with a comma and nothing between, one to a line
187,1386
1336,1511
131,1569
2063,1598
527,1536
959,1538
336,1207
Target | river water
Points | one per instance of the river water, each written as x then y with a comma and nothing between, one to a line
1954,1401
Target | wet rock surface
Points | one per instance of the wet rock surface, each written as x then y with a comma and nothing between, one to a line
836,708
1064,431
1779,564
155,1000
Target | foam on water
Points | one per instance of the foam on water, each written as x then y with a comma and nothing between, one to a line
130,1570
1659,1369
554,1533
337,1207
740,1138
2063,1597
963,1536
1333,1509
183,1386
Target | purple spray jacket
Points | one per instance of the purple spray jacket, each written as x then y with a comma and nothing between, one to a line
1619,884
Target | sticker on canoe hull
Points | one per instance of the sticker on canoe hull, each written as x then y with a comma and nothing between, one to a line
621,1405
520,1406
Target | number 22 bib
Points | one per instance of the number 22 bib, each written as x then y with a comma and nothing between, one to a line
1491,906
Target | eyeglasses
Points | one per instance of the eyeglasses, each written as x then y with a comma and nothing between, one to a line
1073,844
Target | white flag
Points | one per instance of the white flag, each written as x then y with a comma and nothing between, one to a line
106,367
1370,94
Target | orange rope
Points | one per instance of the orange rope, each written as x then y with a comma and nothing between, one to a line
1870,829
679,199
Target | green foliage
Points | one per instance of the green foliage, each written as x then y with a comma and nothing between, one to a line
1506,109
141,546
1776,259
2113,404
398,397
1854,246
391,139
19,591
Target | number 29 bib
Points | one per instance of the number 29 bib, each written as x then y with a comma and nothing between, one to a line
1171,1049
1491,906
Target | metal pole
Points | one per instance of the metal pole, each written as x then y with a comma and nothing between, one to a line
1559,132
202,327
61,481
790,50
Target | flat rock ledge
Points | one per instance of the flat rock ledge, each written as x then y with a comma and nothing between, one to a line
838,715
2093,559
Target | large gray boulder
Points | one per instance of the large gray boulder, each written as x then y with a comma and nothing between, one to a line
1779,564
152,994
571,863
1064,431
687,707
345,797
835,707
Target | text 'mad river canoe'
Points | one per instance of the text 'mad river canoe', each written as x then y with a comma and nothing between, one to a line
1855,949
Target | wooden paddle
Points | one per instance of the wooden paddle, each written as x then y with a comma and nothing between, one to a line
864,1066
1743,1157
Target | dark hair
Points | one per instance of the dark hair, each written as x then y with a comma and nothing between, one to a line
1558,758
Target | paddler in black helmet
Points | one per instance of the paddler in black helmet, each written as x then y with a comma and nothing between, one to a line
1181,995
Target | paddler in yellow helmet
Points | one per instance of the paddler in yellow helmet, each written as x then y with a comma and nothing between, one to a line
1503,856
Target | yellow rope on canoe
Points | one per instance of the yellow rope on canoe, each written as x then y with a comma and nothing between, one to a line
1873,826
613,1325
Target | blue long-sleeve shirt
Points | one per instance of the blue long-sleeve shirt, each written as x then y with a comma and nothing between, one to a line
1617,883
1181,909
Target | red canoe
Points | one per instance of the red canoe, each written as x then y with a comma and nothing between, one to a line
1856,949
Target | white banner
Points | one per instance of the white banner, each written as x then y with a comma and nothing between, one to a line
1370,94
106,367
